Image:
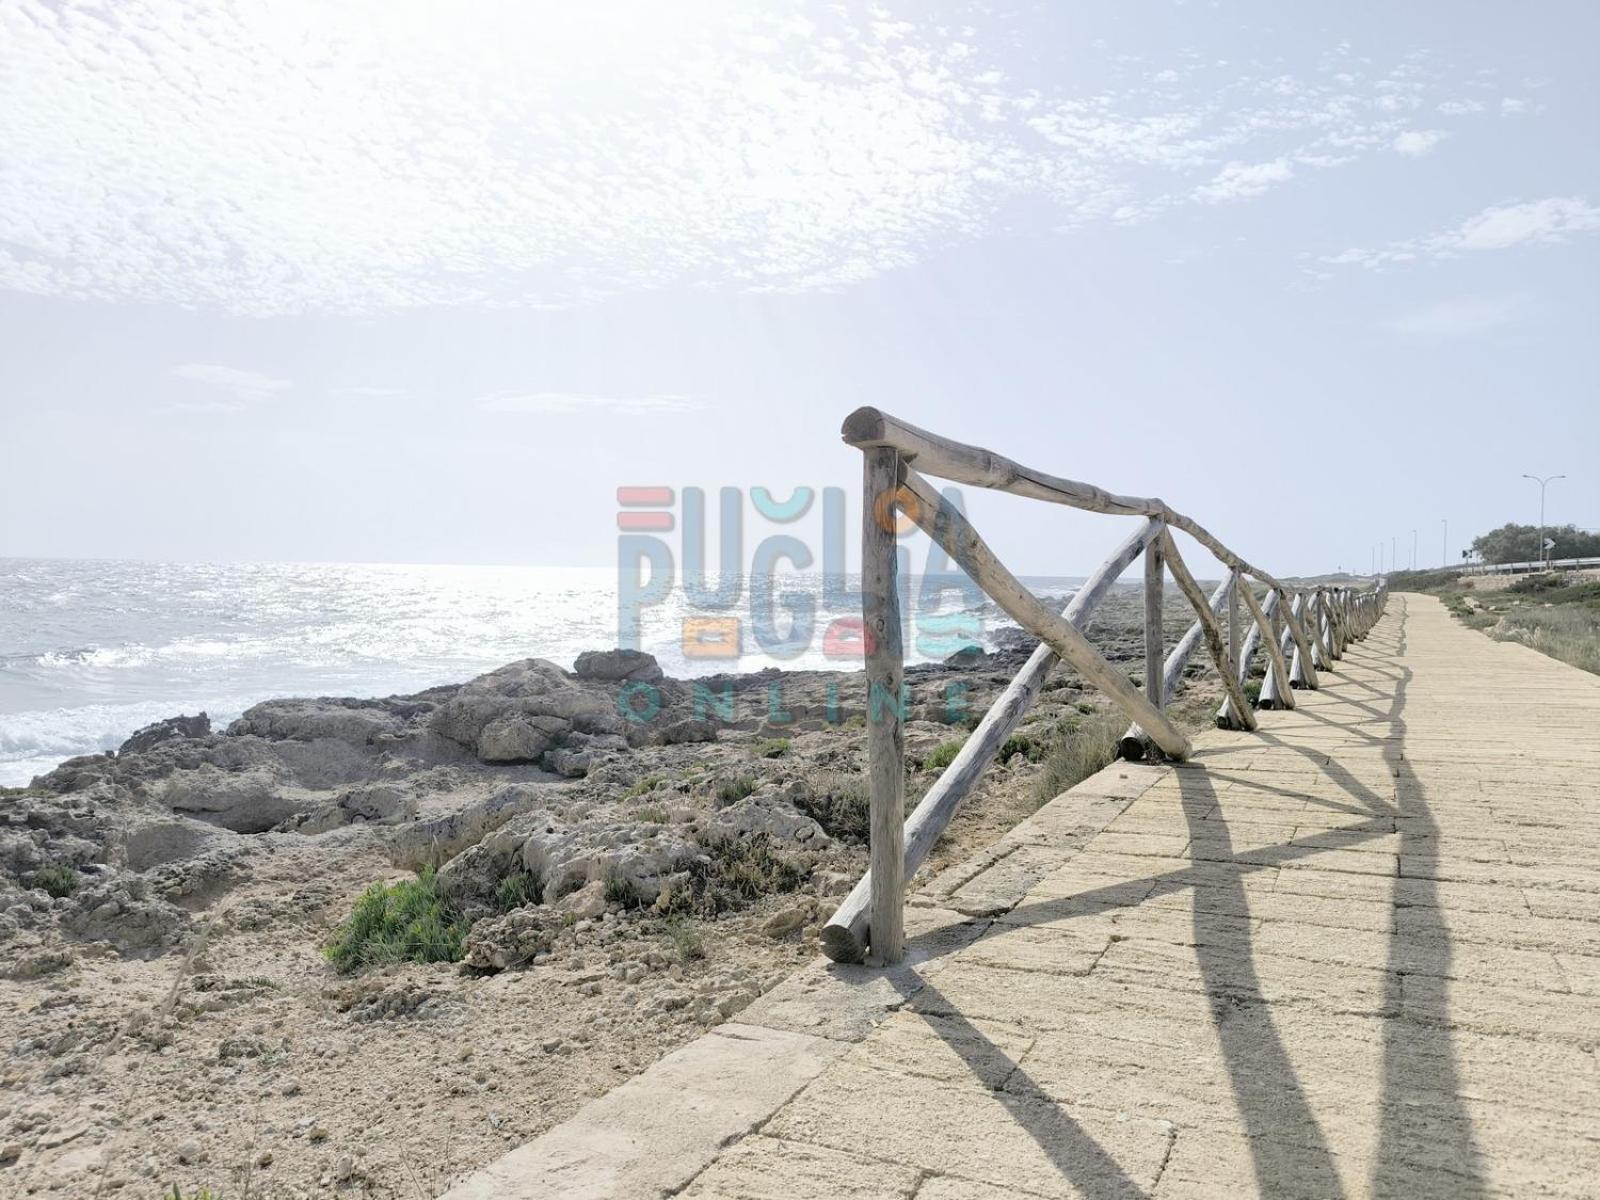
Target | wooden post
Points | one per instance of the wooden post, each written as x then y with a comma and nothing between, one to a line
1277,678
1212,631
1302,672
880,604
1154,628
845,935
1134,744
945,524
1275,689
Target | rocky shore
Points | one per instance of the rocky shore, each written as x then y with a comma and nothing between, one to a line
360,946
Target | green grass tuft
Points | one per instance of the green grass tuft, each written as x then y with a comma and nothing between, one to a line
55,879
772,748
1080,753
841,803
621,890
733,873
518,889
943,755
686,941
731,791
409,921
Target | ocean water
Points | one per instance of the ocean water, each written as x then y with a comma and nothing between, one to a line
91,650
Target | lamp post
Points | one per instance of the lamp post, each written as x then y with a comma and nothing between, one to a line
1543,483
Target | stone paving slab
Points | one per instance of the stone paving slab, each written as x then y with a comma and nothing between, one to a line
1354,954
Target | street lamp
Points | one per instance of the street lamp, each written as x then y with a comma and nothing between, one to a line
1543,483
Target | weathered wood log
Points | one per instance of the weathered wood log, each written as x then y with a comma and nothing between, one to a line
1276,694
1134,744
1155,636
931,454
1244,654
1210,628
1239,653
1277,679
1302,672
885,717
945,524
845,936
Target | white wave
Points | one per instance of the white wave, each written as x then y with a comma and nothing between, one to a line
32,743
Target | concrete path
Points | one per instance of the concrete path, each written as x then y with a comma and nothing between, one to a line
1354,954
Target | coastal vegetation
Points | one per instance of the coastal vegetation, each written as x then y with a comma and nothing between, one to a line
1554,612
1520,543
411,920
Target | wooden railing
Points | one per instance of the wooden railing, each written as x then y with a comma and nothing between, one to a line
1303,630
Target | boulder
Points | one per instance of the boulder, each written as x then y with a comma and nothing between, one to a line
686,731
518,738
355,722
587,901
765,812
618,666
162,731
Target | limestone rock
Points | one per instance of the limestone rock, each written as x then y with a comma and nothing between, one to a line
587,901
616,666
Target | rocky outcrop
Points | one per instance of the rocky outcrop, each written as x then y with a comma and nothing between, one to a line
162,731
534,712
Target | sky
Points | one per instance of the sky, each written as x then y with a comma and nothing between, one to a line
425,282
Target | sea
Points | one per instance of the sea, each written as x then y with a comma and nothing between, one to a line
91,650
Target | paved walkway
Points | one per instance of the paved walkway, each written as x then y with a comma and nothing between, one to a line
1354,954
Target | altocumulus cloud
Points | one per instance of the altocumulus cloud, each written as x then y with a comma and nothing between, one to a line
288,157
1499,227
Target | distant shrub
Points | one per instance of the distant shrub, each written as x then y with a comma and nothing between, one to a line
734,872
55,879
1029,747
841,803
398,922
653,814
621,890
731,791
943,755
518,889
686,941
772,748
647,784
1078,755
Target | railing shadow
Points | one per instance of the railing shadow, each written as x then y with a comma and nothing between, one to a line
1425,1142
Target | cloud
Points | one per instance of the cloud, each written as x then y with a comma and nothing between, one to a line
1466,316
225,389
1417,142
1512,106
578,402
1238,180
371,156
1533,222
1459,108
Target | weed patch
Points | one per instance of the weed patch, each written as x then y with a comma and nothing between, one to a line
409,921
55,879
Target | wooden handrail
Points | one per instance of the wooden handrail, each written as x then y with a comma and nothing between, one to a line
1318,623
